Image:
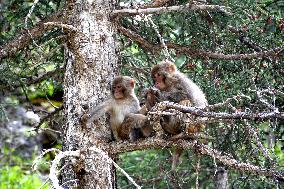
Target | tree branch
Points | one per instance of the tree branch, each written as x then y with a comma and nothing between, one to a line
220,56
24,39
157,143
200,112
160,10
156,3
45,118
245,40
33,80
156,48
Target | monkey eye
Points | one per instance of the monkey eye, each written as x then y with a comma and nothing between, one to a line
157,75
117,87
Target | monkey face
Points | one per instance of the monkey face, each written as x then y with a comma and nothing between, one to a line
162,74
159,80
118,92
122,87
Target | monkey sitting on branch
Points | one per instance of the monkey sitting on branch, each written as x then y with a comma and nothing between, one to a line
174,86
123,104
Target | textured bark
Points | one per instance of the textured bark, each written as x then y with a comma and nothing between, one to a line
91,66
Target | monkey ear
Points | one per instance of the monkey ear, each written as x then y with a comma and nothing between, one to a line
132,83
172,68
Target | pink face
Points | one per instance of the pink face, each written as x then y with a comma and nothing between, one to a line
159,81
118,92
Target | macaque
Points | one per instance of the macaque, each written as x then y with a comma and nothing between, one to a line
174,86
122,102
137,125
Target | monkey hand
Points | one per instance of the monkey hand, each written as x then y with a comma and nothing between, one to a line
152,96
185,103
191,129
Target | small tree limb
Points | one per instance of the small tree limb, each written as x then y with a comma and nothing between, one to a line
158,143
180,8
24,39
202,113
156,48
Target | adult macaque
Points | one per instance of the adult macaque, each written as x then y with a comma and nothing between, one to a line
122,102
174,86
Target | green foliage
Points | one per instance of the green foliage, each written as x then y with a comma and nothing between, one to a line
16,173
261,23
17,178
258,22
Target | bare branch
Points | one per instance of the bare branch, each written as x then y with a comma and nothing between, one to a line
47,117
53,174
157,143
245,40
60,25
227,102
202,113
139,39
263,100
160,10
34,80
253,134
156,3
220,56
24,39
156,48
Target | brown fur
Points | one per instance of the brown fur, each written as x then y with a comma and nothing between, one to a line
118,108
176,87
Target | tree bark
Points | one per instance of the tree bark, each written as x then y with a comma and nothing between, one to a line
91,65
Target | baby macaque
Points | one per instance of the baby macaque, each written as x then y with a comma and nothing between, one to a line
122,102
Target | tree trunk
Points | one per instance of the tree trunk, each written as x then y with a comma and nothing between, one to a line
91,65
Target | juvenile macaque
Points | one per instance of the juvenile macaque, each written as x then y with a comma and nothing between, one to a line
174,86
136,126
122,102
